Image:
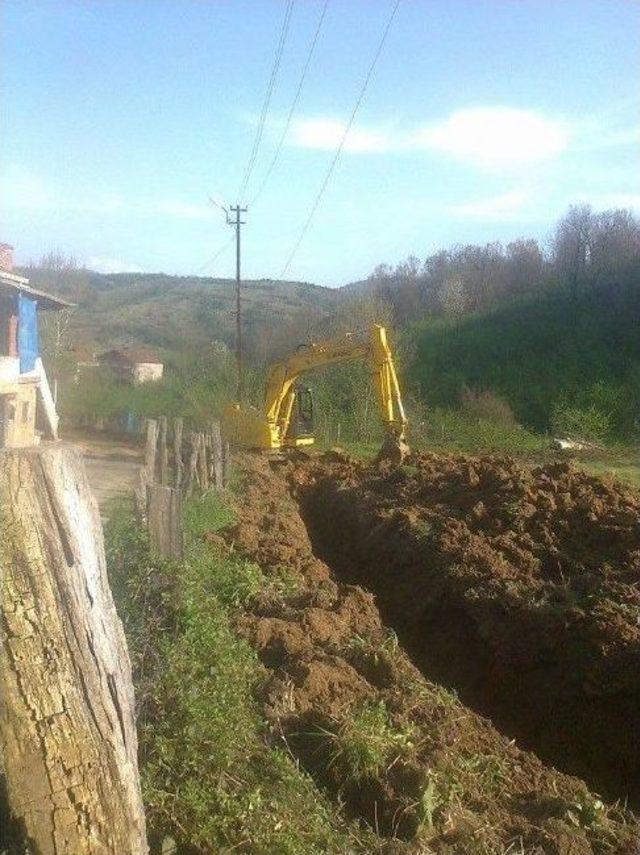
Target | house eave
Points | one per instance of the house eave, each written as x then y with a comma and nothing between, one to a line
19,284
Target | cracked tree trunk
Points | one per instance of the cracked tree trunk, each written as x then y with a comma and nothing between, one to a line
67,729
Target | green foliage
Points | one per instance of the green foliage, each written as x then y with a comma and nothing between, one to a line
486,406
580,423
211,780
450,429
367,742
545,357
196,386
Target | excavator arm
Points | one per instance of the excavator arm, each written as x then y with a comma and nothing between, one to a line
271,430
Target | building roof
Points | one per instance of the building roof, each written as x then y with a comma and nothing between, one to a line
131,356
14,284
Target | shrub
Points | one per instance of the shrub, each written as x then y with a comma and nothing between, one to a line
486,405
588,423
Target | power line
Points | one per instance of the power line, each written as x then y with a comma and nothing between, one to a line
215,256
294,103
267,98
345,134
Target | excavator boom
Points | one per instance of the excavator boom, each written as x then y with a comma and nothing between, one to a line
271,429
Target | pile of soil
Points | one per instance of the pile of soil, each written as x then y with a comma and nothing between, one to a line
341,695
516,585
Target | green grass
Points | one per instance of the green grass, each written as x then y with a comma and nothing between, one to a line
367,742
212,779
449,431
621,464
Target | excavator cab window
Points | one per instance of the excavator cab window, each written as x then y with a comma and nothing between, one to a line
301,424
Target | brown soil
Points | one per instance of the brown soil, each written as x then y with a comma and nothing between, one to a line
397,751
517,586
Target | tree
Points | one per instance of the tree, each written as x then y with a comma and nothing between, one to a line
453,297
60,274
572,245
525,267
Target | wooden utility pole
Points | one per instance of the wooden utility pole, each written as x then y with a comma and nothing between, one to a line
67,718
237,223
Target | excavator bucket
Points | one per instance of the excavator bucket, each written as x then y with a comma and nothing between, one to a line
395,450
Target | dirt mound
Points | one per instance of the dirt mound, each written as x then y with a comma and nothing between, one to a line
397,751
517,586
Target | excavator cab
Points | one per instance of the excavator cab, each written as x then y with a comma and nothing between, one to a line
300,430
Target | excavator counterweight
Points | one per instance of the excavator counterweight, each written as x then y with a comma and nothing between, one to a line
286,420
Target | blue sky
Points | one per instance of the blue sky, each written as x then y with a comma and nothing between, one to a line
483,120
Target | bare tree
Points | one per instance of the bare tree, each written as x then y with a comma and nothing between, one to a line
453,297
572,245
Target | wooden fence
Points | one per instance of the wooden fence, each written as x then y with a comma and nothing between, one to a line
177,466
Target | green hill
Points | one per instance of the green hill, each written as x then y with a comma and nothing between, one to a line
561,364
179,313
171,311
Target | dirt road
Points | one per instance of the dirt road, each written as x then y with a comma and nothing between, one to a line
112,465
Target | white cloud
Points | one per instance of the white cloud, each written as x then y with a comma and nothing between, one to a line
496,137
21,190
326,133
490,138
111,265
503,206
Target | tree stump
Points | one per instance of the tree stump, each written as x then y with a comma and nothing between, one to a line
67,729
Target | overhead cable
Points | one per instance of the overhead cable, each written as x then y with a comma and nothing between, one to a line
267,99
343,139
294,103
216,255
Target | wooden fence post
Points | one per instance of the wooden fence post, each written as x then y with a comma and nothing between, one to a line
226,463
67,727
217,456
164,452
150,453
140,495
202,463
165,520
178,426
193,464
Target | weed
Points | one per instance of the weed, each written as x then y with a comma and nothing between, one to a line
359,644
423,529
283,583
367,742
586,813
434,693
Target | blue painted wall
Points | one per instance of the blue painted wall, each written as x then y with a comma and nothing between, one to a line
28,349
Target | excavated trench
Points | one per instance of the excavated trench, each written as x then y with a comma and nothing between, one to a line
495,608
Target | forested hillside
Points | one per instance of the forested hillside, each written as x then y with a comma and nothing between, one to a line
555,334
177,313
571,366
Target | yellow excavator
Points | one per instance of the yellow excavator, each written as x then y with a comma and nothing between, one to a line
286,420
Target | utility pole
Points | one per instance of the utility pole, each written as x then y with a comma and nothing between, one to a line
237,222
